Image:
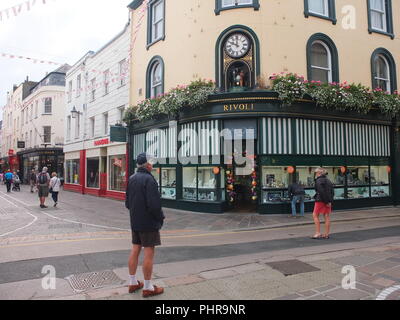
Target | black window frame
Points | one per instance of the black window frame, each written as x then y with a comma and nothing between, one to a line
389,20
334,55
332,12
153,61
150,6
392,68
219,8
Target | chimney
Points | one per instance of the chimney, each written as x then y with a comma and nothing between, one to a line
27,79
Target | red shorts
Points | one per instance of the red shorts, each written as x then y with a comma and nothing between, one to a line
322,208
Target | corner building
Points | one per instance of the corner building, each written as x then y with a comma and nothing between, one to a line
237,43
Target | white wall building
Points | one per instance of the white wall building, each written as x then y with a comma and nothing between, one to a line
97,92
34,115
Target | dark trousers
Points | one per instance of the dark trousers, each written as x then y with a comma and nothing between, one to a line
8,184
54,195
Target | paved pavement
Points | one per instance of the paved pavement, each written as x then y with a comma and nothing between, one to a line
205,256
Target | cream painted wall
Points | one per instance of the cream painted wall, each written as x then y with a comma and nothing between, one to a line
192,29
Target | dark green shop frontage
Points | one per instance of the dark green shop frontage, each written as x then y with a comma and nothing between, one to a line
359,151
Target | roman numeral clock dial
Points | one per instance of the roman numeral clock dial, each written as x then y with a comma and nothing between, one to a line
237,46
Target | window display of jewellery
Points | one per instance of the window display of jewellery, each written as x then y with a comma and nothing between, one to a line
189,193
380,191
207,195
168,193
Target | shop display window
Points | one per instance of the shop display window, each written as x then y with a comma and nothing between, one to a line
275,182
357,193
93,165
223,182
156,174
358,176
336,175
207,190
118,173
190,183
380,181
168,183
72,171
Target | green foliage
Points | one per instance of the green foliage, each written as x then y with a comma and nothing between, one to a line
336,96
170,104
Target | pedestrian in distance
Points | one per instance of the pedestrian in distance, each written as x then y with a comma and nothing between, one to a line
297,194
147,218
33,180
323,202
55,185
8,177
43,182
16,182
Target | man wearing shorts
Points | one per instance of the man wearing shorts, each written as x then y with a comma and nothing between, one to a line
43,181
144,203
323,202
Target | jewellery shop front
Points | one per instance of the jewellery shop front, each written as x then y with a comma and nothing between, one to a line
195,170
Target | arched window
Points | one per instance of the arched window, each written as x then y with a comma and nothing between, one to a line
383,70
321,62
322,59
238,56
155,78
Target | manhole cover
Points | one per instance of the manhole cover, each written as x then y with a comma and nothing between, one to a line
292,267
93,280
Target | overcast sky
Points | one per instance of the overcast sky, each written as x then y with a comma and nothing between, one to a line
60,31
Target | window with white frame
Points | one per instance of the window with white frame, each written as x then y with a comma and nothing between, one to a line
77,126
123,72
156,80
93,87
378,15
70,91
78,85
320,7
106,81
47,134
48,105
382,74
105,123
121,112
68,128
157,20
92,126
321,62
233,3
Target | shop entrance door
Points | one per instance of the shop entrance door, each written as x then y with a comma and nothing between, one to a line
244,202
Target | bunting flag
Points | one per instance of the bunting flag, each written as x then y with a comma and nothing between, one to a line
34,60
18,9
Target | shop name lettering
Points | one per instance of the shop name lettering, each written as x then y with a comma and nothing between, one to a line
238,107
102,142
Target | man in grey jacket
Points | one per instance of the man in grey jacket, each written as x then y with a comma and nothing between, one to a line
144,203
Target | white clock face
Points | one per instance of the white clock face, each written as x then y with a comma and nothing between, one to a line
237,45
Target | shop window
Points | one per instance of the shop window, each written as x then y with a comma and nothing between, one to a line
383,71
118,173
93,165
221,5
337,176
324,9
380,181
72,171
190,183
380,17
306,177
207,190
156,174
358,181
275,182
168,183
322,59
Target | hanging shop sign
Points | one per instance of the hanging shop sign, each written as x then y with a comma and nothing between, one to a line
118,134
21,144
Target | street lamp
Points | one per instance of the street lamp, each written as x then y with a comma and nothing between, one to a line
74,113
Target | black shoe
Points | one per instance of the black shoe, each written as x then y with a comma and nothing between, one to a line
55,205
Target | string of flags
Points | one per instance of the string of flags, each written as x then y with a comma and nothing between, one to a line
34,60
19,8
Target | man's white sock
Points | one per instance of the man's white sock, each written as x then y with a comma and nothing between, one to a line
133,281
148,285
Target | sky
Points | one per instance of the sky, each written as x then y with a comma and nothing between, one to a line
59,31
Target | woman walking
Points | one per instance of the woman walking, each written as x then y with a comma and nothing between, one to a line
55,185
323,202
